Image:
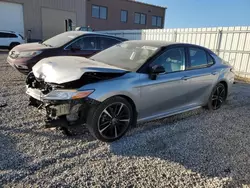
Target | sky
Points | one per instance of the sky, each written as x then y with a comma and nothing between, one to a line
204,13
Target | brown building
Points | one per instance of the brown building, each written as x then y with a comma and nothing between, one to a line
123,14
41,19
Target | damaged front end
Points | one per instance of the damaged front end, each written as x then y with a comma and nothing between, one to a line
64,104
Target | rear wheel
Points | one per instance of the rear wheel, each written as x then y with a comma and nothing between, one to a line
111,119
217,97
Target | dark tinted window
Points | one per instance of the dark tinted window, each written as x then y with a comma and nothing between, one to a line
124,16
172,60
99,12
105,42
140,18
2,35
85,43
198,58
7,35
10,35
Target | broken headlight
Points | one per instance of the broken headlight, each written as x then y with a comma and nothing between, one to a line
67,94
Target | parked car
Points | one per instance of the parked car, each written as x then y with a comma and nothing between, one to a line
130,82
10,39
72,43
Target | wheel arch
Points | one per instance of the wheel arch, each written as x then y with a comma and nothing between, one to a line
225,84
130,100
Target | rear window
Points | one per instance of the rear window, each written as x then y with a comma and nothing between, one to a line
199,58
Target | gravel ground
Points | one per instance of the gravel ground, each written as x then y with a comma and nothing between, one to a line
195,149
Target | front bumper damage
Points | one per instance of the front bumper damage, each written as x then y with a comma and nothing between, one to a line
58,113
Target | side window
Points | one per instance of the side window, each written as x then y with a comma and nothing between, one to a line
210,60
172,60
85,43
1,35
106,42
10,35
199,58
4,35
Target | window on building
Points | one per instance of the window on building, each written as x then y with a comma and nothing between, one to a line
140,18
124,16
157,21
99,12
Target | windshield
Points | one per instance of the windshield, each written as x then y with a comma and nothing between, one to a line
129,56
62,39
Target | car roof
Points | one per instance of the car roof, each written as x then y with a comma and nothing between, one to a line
79,33
160,44
6,31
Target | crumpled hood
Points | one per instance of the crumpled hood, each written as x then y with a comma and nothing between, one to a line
64,69
30,47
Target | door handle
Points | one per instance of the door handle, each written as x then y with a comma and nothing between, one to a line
214,73
185,78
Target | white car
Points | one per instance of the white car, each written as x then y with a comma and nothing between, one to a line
10,39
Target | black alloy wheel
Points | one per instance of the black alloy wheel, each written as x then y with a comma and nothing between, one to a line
114,120
217,97
111,119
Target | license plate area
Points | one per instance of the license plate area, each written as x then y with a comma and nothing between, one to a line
59,110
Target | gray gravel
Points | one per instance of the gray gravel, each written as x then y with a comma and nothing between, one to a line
195,149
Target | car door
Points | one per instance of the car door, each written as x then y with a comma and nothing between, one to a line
167,93
201,75
85,46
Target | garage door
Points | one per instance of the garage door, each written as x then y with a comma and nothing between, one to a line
11,17
53,21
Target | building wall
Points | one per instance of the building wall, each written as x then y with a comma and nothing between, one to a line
33,13
114,10
52,16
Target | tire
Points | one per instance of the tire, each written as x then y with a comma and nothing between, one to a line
217,97
109,121
12,45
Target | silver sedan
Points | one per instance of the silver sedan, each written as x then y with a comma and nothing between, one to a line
131,82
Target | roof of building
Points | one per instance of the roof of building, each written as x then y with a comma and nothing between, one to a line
139,2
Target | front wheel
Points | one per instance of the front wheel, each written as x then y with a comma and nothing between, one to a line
217,97
111,119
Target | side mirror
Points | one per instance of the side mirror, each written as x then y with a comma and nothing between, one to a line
155,70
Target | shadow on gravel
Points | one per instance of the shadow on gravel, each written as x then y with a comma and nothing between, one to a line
10,158
213,144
